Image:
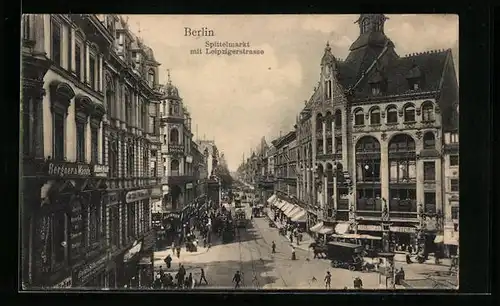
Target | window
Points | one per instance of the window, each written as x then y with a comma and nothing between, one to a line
328,89
146,218
59,231
174,136
80,141
170,109
427,111
94,136
359,117
56,43
454,160
58,132
128,110
114,225
130,160
78,61
392,114
109,100
430,202
151,77
338,145
174,167
164,139
375,89
454,213
145,161
131,222
402,171
144,118
92,76
338,119
429,140
429,171
409,113
454,137
94,223
415,86
152,125
455,187
113,158
402,143
365,26
375,116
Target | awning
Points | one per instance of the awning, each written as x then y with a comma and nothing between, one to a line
342,228
285,207
316,227
280,204
291,210
301,216
272,199
325,230
439,239
450,237
357,236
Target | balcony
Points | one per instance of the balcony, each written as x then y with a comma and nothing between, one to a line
176,177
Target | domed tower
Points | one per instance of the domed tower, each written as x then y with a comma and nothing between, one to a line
173,144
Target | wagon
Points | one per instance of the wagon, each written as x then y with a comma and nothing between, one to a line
345,255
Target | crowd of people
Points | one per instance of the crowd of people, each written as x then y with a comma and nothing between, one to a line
181,280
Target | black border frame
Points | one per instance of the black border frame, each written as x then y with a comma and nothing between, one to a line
476,273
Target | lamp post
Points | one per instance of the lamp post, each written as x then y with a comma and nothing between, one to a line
386,227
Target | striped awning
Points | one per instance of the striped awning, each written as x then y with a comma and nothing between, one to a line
272,199
285,207
279,204
316,227
342,228
321,228
301,216
291,210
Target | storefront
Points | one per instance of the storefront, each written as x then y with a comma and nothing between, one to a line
400,236
172,226
321,230
91,273
127,265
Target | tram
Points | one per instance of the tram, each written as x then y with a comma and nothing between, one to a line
241,218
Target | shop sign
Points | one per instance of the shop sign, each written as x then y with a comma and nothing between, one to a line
373,228
189,186
113,198
64,169
173,216
88,270
65,283
137,195
101,170
136,248
403,229
76,229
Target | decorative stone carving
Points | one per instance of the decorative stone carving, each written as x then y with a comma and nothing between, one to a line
383,136
418,111
418,134
385,213
382,115
400,113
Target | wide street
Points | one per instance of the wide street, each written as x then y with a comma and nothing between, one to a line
251,254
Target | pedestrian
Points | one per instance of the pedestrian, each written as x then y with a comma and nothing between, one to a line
157,284
205,242
187,283
190,280
273,247
168,261
237,279
358,283
410,249
294,257
328,280
179,251
161,272
202,277
408,259
291,237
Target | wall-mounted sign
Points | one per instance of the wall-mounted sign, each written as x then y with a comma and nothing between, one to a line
366,227
136,248
101,170
189,159
64,169
84,273
173,216
137,195
113,198
76,229
65,283
189,186
403,229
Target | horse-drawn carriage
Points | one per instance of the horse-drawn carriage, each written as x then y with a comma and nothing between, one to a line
345,255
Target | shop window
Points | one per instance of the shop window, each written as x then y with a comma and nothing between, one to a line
430,202
392,114
59,232
429,140
454,161
58,132
80,141
94,145
409,113
455,186
429,171
56,43
359,117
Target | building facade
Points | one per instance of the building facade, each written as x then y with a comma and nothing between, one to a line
451,194
371,139
85,206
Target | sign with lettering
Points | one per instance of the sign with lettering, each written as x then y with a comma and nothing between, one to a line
64,169
136,248
366,227
403,229
137,195
174,216
76,229
84,273
65,283
189,186
101,170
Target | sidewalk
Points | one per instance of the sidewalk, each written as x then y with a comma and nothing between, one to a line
306,238
401,257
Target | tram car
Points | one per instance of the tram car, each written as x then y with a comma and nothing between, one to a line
241,218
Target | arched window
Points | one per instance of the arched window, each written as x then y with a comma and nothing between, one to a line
375,116
110,97
359,117
329,119
427,111
174,136
112,156
392,114
368,173
130,159
409,113
429,140
319,123
174,167
338,119
128,108
151,77
402,173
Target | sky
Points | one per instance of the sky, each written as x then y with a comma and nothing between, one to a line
236,100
